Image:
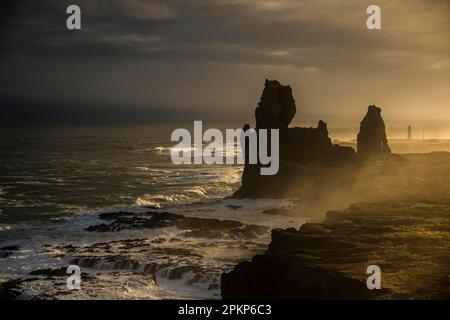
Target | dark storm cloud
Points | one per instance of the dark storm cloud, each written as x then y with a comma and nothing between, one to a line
25,111
41,59
269,32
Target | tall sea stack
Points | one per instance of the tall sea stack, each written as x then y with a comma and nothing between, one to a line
300,148
276,108
372,141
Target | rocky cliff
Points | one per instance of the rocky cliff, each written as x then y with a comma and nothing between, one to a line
408,240
299,147
404,228
276,108
372,140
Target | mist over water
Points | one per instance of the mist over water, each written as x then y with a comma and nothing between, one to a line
50,173
53,172
55,181
395,129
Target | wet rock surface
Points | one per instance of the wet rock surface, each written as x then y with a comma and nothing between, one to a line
145,253
194,227
52,279
7,251
409,241
12,289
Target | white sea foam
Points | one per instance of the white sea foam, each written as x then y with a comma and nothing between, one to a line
212,255
4,227
166,150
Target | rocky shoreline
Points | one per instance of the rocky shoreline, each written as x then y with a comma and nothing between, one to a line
175,252
404,228
409,240
399,222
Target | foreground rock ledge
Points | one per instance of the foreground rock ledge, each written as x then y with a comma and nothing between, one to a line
409,240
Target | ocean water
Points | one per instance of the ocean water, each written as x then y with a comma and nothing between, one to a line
48,173
55,181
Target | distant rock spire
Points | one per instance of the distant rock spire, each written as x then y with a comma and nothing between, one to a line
372,141
322,127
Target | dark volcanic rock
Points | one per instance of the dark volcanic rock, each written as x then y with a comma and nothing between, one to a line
52,272
276,108
100,228
300,148
372,141
195,227
10,290
408,240
7,251
112,215
126,220
308,159
233,207
287,278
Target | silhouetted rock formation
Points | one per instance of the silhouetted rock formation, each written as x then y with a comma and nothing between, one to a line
276,108
329,260
372,141
299,147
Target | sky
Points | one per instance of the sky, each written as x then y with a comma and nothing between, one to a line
140,61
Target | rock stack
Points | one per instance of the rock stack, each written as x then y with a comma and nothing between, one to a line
372,141
299,147
276,108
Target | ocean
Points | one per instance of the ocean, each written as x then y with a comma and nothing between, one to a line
55,181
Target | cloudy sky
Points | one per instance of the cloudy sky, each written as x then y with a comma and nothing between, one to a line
150,61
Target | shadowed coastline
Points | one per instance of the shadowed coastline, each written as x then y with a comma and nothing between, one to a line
383,209
400,221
